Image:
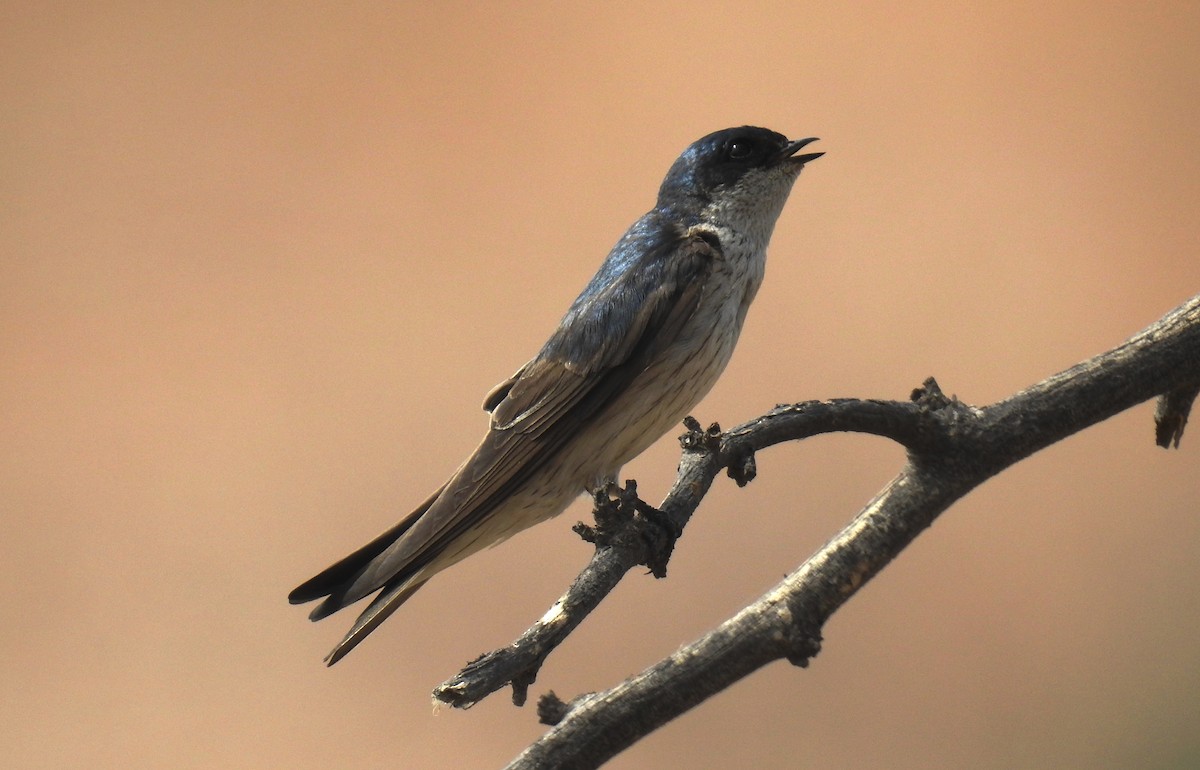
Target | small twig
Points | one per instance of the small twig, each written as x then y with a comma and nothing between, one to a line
1171,414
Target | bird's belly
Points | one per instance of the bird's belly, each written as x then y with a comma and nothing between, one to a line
662,395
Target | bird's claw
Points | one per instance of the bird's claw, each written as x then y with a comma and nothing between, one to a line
620,513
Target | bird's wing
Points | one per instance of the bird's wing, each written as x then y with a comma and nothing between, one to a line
605,341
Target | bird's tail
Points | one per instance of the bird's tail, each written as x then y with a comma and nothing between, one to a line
383,605
333,584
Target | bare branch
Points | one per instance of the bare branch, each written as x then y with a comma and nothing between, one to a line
952,452
626,539
952,448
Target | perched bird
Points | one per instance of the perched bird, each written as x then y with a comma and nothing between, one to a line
640,346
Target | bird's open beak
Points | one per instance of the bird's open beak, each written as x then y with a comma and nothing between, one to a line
791,148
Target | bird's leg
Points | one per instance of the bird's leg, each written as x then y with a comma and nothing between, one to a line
620,514
612,510
609,514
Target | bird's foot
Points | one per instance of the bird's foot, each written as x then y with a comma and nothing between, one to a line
621,514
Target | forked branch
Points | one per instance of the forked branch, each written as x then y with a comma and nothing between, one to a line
952,448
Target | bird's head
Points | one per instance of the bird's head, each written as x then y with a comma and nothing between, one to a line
737,178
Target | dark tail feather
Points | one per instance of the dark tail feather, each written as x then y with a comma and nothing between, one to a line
334,580
383,605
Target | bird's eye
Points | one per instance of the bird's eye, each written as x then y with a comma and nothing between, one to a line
740,149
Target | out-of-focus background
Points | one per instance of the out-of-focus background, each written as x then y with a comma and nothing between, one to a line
261,263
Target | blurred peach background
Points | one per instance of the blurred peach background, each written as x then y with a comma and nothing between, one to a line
261,263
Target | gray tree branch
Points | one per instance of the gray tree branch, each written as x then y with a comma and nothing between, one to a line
952,448
626,537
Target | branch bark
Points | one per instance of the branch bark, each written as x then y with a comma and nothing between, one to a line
952,448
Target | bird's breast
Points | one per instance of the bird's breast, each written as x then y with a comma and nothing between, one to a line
683,371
